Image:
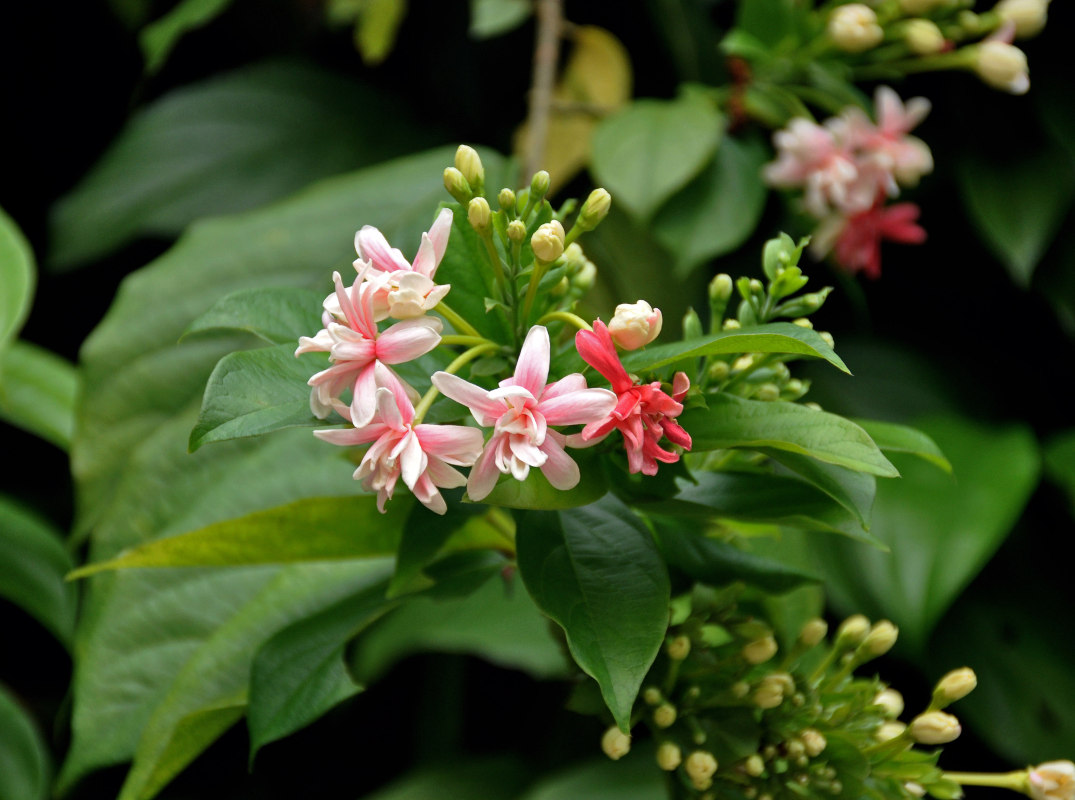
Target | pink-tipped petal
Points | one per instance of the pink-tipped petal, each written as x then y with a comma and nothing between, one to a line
371,245
532,368
434,244
578,408
484,473
559,468
455,444
364,398
349,437
407,340
485,411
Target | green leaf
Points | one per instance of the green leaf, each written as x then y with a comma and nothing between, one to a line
853,490
252,392
24,758
652,148
276,314
37,392
942,529
312,529
774,337
33,562
160,37
733,422
1060,462
718,210
631,778
216,677
597,573
18,273
1018,205
497,622
720,563
536,493
424,535
769,21
489,779
376,28
489,18
894,438
465,267
300,673
228,144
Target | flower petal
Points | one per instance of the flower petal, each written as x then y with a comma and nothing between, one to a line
532,368
578,408
409,339
485,411
560,469
484,473
371,245
434,244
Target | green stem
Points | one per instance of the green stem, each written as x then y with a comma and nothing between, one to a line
497,264
1016,781
462,360
468,341
958,59
456,321
568,317
531,291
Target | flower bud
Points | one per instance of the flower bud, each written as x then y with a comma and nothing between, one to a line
457,185
679,648
826,337
853,28
506,200
539,185
594,209
915,788
770,692
1053,780
585,278
852,631
768,392
548,241
891,701
468,162
718,370
479,214
700,767
664,716
1003,66
889,730
880,639
652,695
669,756
956,685
516,230
813,742
635,325
923,37
1028,16
754,766
934,727
813,632
615,743
760,650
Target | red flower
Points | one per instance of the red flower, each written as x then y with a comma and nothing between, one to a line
856,239
644,413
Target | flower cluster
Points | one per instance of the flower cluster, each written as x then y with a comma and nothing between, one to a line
848,168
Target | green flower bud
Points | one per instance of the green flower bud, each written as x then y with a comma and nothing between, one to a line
479,214
669,756
516,230
853,28
548,241
760,650
852,631
768,392
718,370
539,186
813,632
594,210
813,742
652,695
700,767
664,716
935,727
1028,16
615,743
879,640
891,701
889,730
923,37
506,200
769,694
678,648
457,185
754,765
692,325
584,279
468,162
956,685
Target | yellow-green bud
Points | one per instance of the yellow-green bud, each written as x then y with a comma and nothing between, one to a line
506,200
769,694
891,701
700,767
719,370
1003,66
457,185
935,727
743,362
516,230
739,689
826,337
956,685
586,277
679,648
970,22
731,325
539,185
664,716
720,288
1028,16
813,742
914,788
469,163
923,37
652,695
794,748
615,743
548,241
669,756
594,209
479,214
852,631
853,28
890,730
760,650
802,322
754,765
768,392
813,632
880,639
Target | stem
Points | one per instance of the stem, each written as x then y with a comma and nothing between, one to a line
568,317
469,341
531,291
494,260
546,52
958,59
456,321
1016,781
462,360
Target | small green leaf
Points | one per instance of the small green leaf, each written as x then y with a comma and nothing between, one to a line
734,422
596,571
490,18
160,37
24,758
489,779
33,561
18,273
252,392
37,392
894,438
312,529
376,28
631,778
718,210
853,490
465,267
774,337
652,148
536,493
276,314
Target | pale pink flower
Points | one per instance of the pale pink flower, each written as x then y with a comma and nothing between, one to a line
419,454
1053,780
635,325
817,159
407,289
521,411
885,154
643,413
355,347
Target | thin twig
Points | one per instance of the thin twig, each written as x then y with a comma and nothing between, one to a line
546,53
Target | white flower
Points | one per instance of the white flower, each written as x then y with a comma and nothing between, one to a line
1003,66
853,28
635,325
1053,780
1028,16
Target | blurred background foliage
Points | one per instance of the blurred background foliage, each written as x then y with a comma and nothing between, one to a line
260,135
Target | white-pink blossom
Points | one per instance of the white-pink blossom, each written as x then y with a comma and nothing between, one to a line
421,454
884,152
521,410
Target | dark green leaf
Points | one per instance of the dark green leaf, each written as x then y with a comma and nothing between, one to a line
24,758
893,438
376,28
159,38
630,778
18,273
718,210
499,779
37,392
424,536
596,571
775,337
278,315
490,18
853,490
536,493
466,268
1060,462
252,392
733,422
652,148
768,20
33,562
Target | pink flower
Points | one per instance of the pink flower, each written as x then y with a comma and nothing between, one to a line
521,411
643,413
885,151
635,325
407,290
356,347
420,454
856,239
